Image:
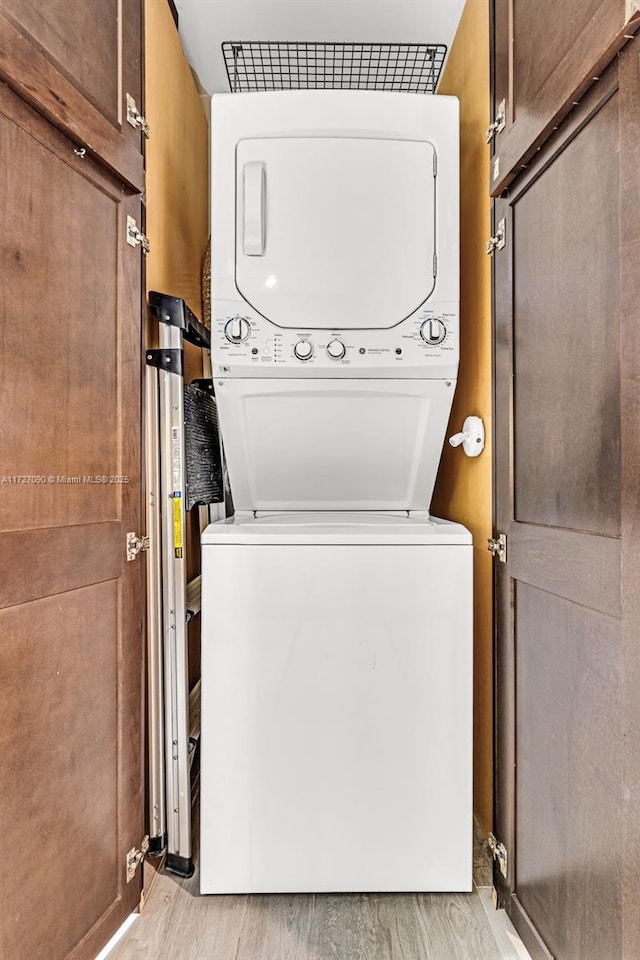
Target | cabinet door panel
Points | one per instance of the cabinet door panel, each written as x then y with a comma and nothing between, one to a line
546,56
75,61
71,794
567,456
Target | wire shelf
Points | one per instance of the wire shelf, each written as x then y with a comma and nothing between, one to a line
254,65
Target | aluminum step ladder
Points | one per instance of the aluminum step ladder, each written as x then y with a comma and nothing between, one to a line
173,709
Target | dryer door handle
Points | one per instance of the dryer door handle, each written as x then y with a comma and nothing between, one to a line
255,189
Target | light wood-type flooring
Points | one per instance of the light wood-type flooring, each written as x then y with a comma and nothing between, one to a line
179,924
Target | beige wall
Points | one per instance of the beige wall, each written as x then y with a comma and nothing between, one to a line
177,171
464,486
177,163
177,203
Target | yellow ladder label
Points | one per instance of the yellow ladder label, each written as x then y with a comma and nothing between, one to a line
177,524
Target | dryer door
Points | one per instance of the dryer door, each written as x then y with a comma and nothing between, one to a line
335,232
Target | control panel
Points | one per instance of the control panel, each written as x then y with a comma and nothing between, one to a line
246,344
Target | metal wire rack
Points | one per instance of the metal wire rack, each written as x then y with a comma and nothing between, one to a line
287,65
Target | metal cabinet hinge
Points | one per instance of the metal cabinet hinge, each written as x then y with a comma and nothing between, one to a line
499,239
135,858
135,236
499,123
498,547
135,118
135,545
499,852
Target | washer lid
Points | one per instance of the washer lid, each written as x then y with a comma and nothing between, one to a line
347,529
335,232
333,445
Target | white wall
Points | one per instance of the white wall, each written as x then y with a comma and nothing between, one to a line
204,24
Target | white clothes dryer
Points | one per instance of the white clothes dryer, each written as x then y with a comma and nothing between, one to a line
336,746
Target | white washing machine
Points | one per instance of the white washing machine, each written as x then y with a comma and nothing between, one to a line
337,627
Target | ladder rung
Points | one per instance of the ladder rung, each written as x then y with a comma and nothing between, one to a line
194,588
194,720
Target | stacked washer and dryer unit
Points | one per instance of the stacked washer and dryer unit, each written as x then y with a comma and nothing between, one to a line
337,623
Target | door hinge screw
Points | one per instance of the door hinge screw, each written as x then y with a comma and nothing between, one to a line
499,123
135,118
499,852
135,858
135,236
498,547
135,545
499,239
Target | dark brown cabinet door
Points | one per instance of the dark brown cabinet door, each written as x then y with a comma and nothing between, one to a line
71,802
567,421
75,61
547,54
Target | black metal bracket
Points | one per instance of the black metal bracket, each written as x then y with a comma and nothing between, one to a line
170,360
174,311
181,866
205,384
157,845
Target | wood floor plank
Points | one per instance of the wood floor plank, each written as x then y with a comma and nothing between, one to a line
176,925
456,928
179,924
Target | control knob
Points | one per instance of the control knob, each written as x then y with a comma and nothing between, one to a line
336,349
237,329
303,350
433,331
